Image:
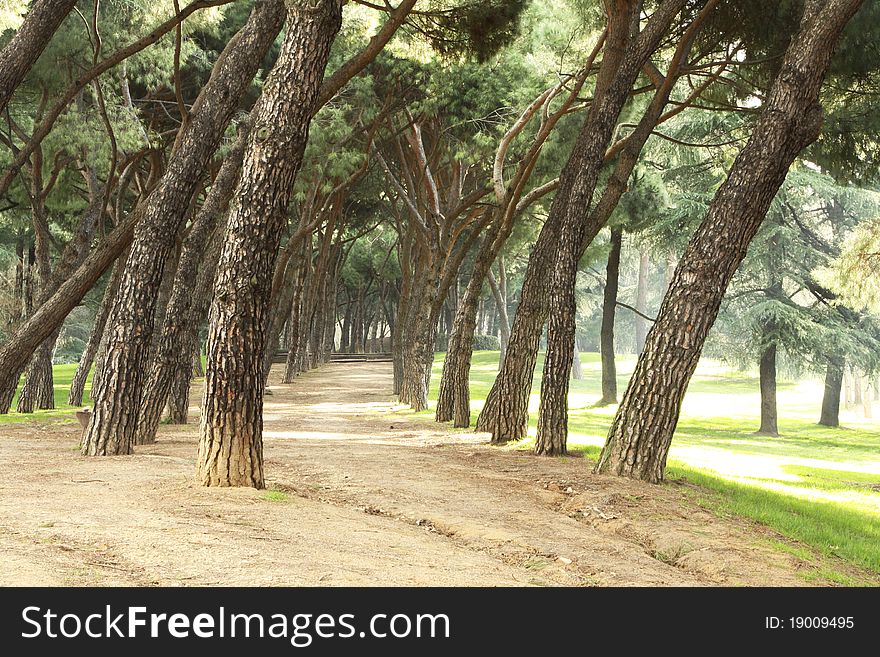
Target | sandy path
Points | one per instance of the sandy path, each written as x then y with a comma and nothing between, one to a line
370,497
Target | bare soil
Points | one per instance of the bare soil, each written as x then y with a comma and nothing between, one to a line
361,493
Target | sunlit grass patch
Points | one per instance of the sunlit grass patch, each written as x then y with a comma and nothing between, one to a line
815,485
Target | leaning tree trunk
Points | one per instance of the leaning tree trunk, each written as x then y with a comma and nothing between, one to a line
20,54
113,425
453,399
830,416
577,233
230,434
767,375
791,118
569,227
609,313
189,298
506,412
78,383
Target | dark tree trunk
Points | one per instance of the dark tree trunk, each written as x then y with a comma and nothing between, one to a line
197,370
767,375
642,301
791,118
609,313
178,398
830,416
569,227
188,303
20,54
113,424
345,340
231,442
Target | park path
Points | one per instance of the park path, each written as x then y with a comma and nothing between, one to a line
361,493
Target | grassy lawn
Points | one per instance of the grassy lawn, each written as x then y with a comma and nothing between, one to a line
62,412
816,485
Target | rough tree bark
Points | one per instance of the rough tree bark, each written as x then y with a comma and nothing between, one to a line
188,304
791,118
130,326
505,414
20,54
578,232
231,442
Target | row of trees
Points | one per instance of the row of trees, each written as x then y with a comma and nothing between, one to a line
286,174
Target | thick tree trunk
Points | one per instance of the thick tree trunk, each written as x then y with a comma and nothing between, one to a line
117,400
791,118
767,375
642,301
20,54
609,313
552,432
569,227
231,442
830,416
188,303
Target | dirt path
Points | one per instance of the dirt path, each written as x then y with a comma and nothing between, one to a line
361,495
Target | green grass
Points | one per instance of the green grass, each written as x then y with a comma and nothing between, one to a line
833,529
275,496
63,374
814,485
